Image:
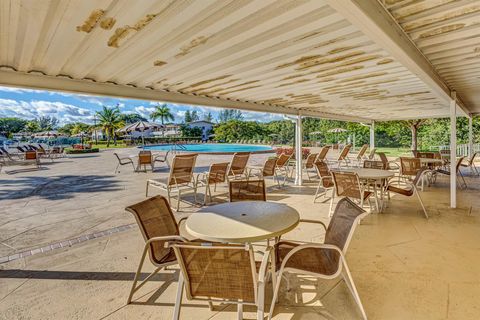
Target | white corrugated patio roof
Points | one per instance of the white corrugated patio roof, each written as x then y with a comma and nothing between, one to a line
330,59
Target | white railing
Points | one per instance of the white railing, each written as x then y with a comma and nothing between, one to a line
462,149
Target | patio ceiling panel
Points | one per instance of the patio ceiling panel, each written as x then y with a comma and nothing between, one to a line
280,56
448,34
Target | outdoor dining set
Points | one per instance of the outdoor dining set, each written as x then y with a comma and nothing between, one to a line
234,248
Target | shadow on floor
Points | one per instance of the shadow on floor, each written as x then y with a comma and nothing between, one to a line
56,188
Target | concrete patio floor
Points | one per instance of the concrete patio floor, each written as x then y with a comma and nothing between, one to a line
404,266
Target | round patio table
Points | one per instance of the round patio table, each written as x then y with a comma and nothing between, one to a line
369,174
242,222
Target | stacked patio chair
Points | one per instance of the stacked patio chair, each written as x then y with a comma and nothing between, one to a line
361,155
371,154
323,260
215,175
247,190
347,184
308,164
343,157
283,166
471,164
326,180
238,165
267,170
461,182
225,273
322,155
409,189
180,178
158,226
122,162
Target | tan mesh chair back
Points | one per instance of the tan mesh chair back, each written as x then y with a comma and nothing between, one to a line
245,190
181,171
344,153
372,164
343,223
310,160
383,158
324,173
30,155
323,153
362,151
218,172
283,160
371,155
415,153
155,219
459,164
410,166
239,163
269,167
426,155
347,184
144,157
217,271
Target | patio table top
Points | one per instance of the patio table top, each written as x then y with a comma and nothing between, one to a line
367,173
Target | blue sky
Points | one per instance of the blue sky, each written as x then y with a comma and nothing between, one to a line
67,107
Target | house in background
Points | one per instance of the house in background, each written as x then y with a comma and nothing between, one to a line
205,126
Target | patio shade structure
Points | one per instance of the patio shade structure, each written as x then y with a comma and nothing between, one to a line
350,60
47,134
140,126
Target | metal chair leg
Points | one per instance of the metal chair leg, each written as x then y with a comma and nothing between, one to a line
178,301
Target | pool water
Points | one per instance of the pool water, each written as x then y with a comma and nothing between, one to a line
212,148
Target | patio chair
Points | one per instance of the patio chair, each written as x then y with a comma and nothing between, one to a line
326,181
122,162
283,166
323,260
343,157
322,155
426,155
347,184
388,165
361,154
471,164
247,190
144,159
238,164
267,170
373,164
163,158
158,226
309,163
226,273
28,158
371,154
462,183
410,190
215,175
180,178
415,153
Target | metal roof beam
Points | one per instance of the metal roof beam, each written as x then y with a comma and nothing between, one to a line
376,22
64,84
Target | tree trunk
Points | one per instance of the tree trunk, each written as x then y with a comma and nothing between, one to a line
414,130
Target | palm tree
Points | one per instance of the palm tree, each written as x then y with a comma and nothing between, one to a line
110,119
163,113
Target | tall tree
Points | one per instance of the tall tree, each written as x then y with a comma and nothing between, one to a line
47,123
129,118
163,113
230,114
188,116
414,125
195,116
110,119
208,117
12,125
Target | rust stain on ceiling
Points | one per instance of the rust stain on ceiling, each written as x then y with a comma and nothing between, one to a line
107,23
442,30
384,61
91,21
159,63
186,49
123,32
410,26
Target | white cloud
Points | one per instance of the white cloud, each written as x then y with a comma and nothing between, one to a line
144,111
30,110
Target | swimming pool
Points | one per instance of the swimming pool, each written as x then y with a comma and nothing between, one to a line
213,148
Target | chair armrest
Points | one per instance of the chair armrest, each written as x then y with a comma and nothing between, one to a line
314,221
182,220
166,239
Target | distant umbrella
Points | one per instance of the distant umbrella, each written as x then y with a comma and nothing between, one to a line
140,126
337,130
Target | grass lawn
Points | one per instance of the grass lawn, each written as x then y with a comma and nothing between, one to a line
395,152
104,146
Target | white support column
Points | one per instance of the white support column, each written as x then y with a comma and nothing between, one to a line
298,151
470,135
372,135
453,151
